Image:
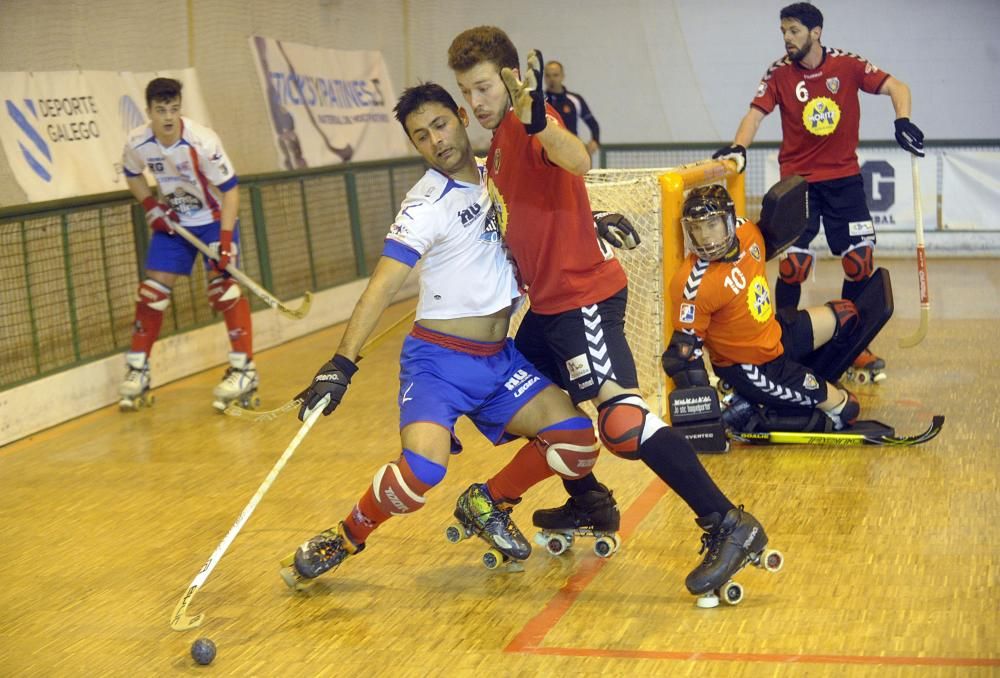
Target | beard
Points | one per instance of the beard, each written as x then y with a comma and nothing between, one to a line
799,54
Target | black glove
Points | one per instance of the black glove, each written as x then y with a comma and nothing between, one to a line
332,379
909,137
526,95
735,152
616,230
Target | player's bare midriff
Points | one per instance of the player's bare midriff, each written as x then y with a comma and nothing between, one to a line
486,328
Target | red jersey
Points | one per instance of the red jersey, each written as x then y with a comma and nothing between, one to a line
544,215
727,304
820,112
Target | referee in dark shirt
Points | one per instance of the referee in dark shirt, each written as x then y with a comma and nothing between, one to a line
571,106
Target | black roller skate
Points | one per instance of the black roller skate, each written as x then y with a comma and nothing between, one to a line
322,553
134,389
732,542
866,368
592,514
478,514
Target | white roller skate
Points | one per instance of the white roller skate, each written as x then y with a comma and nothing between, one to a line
134,389
239,384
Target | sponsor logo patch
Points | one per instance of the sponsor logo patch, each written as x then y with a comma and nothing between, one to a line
687,313
821,116
578,367
860,228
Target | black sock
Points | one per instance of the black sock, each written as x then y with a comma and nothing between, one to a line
786,294
670,456
579,486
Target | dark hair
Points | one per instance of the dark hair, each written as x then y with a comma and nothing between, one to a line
808,14
162,89
415,97
482,43
556,63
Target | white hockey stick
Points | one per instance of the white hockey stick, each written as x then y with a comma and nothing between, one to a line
925,300
245,280
181,621
234,409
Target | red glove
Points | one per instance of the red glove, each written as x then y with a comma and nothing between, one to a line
158,215
226,250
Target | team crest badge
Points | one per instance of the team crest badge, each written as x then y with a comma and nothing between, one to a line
755,251
833,84
687,313
810,382
496,162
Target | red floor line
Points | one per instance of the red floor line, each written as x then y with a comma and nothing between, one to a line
534,632
763,657
531,636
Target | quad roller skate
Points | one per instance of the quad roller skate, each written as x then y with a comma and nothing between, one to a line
322,553
479,515
134,389
866,368
592,514
732,542
239,384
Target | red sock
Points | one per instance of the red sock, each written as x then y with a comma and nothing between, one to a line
527,468
146,328
365,517
238,322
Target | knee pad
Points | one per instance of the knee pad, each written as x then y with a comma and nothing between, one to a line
847,315
858,262
625,423
795,266
400,486
223,293
569,447
153,294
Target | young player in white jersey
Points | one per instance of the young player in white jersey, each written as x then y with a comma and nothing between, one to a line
457,359
198,190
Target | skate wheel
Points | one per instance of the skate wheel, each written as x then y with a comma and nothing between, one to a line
492,559
606,546
707,600
454,533
556,544
732,593
773,560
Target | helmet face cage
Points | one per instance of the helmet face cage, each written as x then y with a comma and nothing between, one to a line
709,222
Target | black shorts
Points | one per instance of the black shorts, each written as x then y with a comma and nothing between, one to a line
846,219
782,384
796,332
580,349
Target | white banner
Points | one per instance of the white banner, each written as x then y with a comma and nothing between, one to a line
971,190
63,131
327,106
888,182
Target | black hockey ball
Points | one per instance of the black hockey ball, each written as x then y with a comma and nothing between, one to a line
203,651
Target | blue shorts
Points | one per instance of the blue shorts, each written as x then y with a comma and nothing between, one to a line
174,254
438,385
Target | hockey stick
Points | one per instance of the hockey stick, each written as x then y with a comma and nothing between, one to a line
234,410
247,281
843,439
181,621
925,300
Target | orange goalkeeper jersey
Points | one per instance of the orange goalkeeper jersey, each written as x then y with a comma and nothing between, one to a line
728,304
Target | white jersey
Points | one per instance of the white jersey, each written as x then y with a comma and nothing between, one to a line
192,174
450,226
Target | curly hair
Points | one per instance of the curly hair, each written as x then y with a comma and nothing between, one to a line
482,43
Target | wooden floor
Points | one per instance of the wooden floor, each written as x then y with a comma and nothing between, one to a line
893,554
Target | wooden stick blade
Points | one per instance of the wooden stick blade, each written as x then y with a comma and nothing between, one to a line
297,313
918,336
234,410
180,621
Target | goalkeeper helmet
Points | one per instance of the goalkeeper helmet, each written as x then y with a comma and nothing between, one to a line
709,222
